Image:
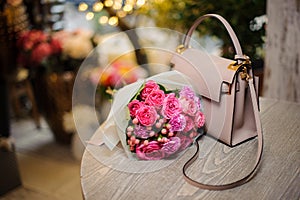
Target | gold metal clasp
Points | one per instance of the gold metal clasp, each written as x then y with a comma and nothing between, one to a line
243,67
244,74
180,49
235,65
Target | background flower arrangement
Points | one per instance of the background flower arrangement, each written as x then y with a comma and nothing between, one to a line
56,52
53,60
37,48
115,76
162,122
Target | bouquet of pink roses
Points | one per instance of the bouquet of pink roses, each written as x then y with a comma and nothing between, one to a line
154,119
162,122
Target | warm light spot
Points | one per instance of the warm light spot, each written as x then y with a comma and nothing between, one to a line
109,3
121,14
97,7
140,2
117,5
89,16
128,8
103,20
113,21
130,2
82,7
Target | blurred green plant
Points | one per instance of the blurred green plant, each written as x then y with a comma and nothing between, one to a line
180,14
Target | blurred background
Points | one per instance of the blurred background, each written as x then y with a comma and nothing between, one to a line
44,42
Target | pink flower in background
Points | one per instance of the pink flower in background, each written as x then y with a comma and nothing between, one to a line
56,46
28,39
162,122
37,48
28,45
117,74
126,72
41,52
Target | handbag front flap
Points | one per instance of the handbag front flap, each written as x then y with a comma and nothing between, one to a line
210,74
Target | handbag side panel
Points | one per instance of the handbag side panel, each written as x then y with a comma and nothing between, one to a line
219,118
244,127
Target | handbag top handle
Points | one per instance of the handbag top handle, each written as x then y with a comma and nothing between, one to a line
239,54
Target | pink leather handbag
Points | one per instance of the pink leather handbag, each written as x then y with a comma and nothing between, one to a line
229,93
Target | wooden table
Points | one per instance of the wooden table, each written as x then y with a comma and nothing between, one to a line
277,178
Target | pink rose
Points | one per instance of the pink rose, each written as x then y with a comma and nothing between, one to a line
172,146
133,107
146,115
41,52
177,123
171,106
190,124
148,88
200,119
151,151
28,45
155,98
56,46
110,77
187,92
189,106
37,36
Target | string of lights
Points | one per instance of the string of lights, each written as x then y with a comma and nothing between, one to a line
122,8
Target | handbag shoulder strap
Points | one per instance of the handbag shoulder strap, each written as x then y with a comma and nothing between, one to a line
237,46
250,175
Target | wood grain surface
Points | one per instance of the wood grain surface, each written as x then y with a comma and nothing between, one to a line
278,176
